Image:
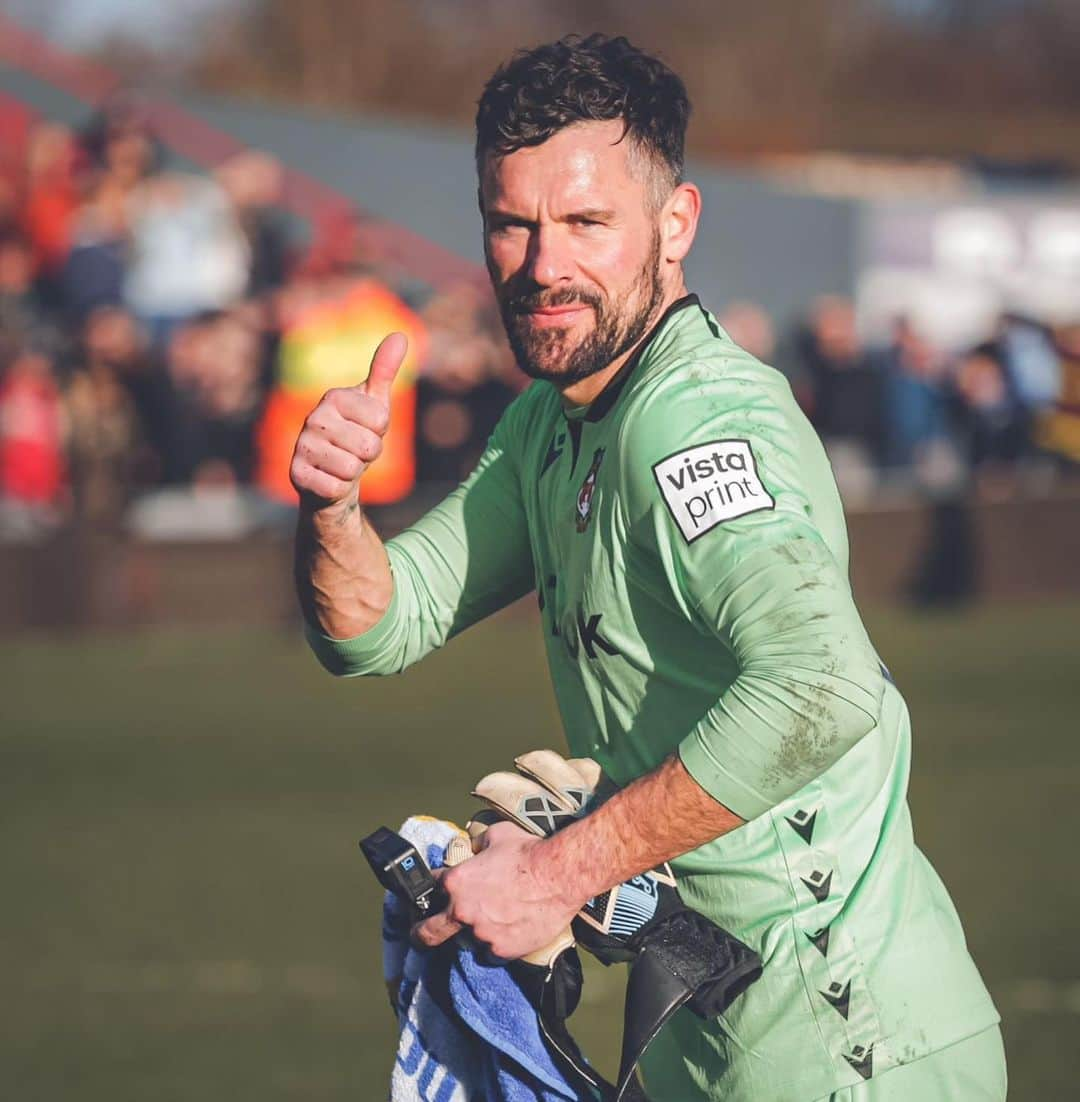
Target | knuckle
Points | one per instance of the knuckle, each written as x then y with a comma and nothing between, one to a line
460,912
379,418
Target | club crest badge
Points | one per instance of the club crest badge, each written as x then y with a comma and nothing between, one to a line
585,494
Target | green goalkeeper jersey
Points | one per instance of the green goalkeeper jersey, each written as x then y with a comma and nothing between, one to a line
687,545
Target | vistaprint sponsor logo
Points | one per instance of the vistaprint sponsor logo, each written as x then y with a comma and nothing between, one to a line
705,485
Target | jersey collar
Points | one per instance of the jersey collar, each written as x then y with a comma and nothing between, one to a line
602,404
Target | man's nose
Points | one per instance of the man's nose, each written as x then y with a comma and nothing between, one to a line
549,260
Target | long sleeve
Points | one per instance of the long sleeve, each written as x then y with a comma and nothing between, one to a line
808,685
731,495
463,560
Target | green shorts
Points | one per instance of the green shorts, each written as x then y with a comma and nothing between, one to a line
969,1071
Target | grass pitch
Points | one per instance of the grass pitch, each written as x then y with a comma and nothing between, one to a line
185,914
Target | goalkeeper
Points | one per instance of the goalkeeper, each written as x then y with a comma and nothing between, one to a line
676,515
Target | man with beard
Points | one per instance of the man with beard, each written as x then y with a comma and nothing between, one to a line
661,491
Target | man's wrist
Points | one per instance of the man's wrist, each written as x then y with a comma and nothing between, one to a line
328,516
555,865
343,574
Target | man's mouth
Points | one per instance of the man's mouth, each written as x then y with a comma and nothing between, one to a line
555,315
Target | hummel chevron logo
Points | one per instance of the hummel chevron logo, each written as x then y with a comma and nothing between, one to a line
802,822
819,884
555,449
839,997
820,941
862,1060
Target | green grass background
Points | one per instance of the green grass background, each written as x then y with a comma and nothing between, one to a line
185,914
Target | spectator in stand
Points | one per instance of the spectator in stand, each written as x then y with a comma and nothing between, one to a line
112,343
843,393
21,308
229,398
118,140
1058,428
990,427
213,374
51,201
119,153
187,362
104,446
1025,350
464,387
93,275
253,184
10,197
330,316
750,327
116,155
32,428
916,407
188,254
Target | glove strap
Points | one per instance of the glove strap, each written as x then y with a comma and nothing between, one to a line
684,959
554,992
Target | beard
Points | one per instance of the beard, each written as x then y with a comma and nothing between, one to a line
557,355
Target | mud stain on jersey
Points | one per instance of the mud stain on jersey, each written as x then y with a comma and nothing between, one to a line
810,583
807,749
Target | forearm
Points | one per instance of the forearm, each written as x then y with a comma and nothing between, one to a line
809,684
375,609
656,818
343,577
521,891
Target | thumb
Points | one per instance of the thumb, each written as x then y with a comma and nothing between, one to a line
385,364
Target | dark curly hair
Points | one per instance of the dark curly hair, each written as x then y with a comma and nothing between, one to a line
593,79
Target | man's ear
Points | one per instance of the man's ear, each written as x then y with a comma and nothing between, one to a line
679,220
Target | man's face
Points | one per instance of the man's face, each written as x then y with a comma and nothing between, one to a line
572,242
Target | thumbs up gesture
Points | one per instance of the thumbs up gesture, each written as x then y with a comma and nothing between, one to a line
343,434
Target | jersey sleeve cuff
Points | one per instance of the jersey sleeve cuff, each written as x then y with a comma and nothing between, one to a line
361,653
734,794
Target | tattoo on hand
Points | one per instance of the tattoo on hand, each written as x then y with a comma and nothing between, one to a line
346,515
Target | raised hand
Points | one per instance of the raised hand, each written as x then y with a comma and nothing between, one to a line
343,434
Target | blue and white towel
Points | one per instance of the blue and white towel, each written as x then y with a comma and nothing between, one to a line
468,1033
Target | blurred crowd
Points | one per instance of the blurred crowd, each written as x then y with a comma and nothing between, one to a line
163,332
905,416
